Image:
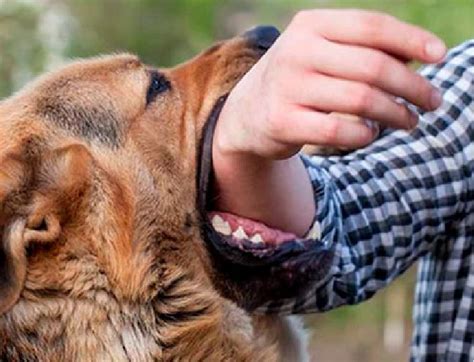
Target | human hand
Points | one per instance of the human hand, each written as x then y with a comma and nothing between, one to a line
326,63
345,61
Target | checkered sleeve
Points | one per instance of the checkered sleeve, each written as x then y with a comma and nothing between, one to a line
384,206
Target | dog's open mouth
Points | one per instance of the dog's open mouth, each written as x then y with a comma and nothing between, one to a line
244,230
243,241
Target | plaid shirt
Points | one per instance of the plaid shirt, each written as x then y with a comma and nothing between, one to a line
409,195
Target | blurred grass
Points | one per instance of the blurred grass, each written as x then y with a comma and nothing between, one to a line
22,55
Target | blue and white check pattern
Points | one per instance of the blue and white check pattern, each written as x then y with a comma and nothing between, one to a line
409,195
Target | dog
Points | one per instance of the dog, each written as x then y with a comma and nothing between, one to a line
109,252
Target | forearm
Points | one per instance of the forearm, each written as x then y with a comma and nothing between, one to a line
263,187
398,197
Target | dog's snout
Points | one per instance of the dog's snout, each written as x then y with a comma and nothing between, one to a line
262,37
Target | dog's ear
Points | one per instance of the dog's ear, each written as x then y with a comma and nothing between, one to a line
35,202
12,175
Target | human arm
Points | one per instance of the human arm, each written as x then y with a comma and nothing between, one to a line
394,200
341,64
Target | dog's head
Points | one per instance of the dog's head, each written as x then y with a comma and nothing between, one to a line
103,165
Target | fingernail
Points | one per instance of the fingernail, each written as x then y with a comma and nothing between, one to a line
435,49
373,126
436,99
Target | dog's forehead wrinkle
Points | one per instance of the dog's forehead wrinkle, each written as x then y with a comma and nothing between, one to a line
91,122
80,97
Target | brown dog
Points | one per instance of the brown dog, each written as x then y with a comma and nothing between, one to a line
106,252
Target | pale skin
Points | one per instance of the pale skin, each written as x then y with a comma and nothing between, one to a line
325,63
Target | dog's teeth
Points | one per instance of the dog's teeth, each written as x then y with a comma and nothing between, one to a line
315,232
256,239
240,233
220,225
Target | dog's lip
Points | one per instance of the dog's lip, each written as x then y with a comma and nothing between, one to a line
246,253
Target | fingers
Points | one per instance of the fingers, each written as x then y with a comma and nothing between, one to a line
334,130
375,30
328,94
328,62
372,67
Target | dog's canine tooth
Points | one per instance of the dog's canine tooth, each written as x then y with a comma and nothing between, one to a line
240,233
256,239
221,226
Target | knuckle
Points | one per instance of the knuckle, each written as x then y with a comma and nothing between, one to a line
301,17
372,22
331,130
304,17
414,45
276,122
376,66
385,19
362,99
287,52
279,60
276,129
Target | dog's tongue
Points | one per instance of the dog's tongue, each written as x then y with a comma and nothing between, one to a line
243,228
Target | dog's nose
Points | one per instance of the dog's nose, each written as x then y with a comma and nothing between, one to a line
262,37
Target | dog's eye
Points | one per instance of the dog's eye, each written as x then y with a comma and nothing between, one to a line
158,84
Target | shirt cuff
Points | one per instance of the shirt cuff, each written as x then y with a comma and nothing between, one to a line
327,225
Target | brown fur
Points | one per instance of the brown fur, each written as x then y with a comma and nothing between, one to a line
101,256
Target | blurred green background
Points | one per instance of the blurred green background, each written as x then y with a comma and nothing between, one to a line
38,35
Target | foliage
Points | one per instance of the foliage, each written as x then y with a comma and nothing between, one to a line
159,31
22,52
165,32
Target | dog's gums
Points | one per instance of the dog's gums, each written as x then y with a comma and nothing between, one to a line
242,228
246,229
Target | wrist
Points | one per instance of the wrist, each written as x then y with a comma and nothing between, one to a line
275,192
257,178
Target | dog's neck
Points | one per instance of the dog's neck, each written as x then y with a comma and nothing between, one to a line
152,301
186,320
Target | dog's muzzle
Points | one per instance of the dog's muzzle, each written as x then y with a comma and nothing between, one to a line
293,263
